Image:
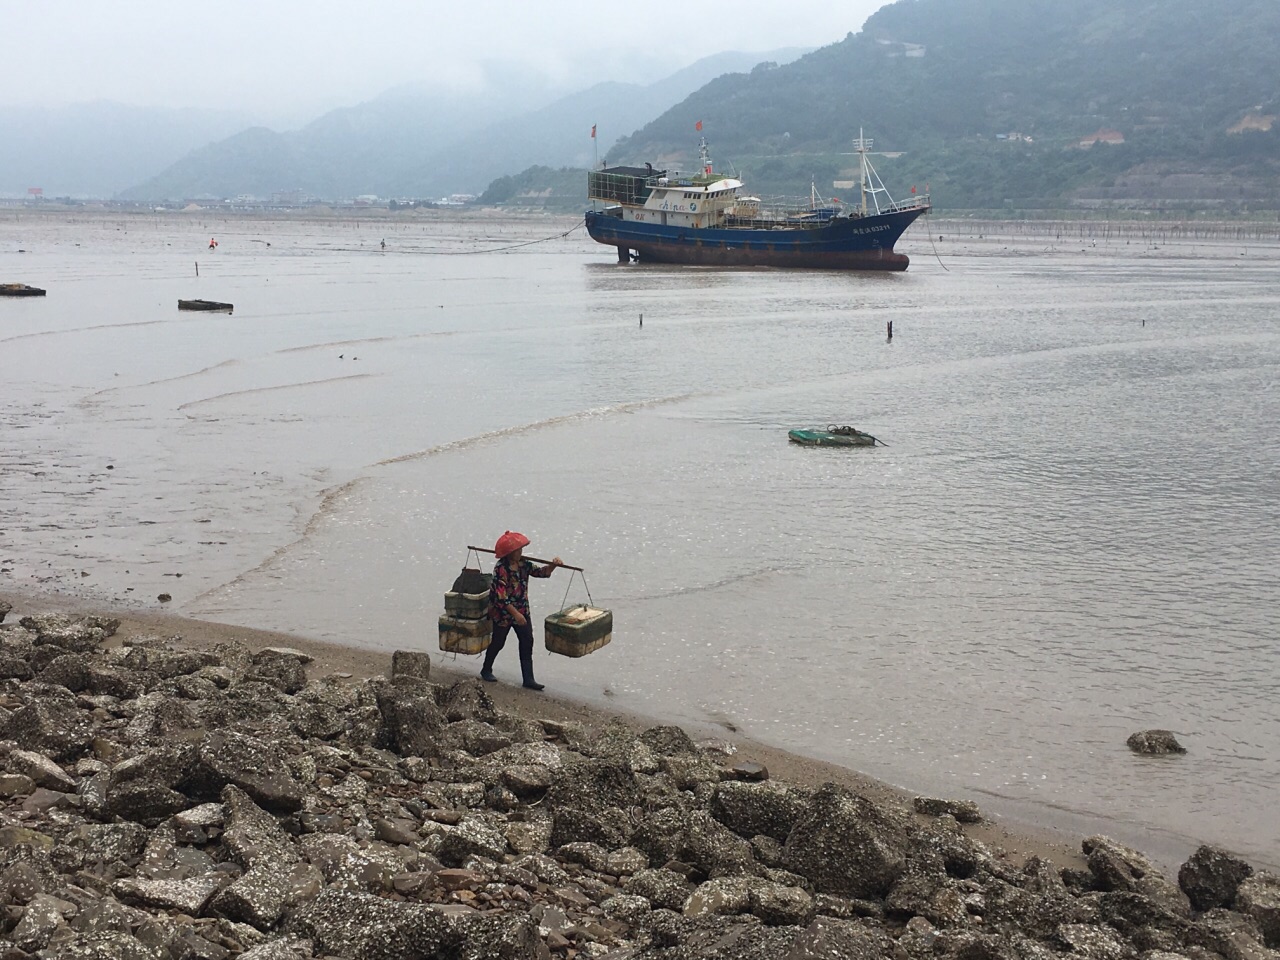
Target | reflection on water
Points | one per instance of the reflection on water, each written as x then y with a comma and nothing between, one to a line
1068,538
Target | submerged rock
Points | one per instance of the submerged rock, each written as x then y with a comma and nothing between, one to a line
1155,743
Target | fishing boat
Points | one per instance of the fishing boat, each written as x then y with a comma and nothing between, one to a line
702,219
208,306
833,436
19,290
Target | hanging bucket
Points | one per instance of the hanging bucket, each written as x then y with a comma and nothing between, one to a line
465,626
469,606
466,635
577,631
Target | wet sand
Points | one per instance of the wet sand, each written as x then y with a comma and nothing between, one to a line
1019,841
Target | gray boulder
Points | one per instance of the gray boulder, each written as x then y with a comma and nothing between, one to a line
108,945
365,927
476,737
964,811
608,827
724,895
1234,936
1259,897
846,845
41,919
412,721
108,681
58,730
258,897
590,784
14,668
79,634
661,887
411,663
70,670
753,809
669,741
526,781
696,839
255,766
285,671
110,842
145,801
161,721
288,947
830,939
167,765
468,700
778,905
1211,877
500,937
252,836
187,896
471,837
42,771
1116,867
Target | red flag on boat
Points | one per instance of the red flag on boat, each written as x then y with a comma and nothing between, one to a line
913,190
698,125
593,131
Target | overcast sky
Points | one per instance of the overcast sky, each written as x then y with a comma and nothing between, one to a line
279,57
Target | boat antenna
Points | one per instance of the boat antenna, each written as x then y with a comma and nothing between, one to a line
705,155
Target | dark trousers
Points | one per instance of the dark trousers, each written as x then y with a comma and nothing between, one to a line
525,635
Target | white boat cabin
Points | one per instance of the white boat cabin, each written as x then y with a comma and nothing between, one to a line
698,201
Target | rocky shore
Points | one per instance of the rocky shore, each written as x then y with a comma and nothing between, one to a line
159,802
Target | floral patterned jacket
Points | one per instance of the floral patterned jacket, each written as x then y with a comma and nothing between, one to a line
511,586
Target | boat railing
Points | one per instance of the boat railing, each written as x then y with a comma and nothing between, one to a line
915,203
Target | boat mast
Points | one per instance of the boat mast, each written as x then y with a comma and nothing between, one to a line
705,154
861,146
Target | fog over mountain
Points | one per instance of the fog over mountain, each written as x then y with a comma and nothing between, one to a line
415,142
97,149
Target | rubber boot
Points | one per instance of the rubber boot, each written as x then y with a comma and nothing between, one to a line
486,671
526,668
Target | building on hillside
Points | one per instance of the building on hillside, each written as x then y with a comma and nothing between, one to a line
898,48
1102,136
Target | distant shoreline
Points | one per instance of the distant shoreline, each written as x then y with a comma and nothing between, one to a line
1264,225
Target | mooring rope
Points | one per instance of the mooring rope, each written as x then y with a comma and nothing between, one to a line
514,246
935,249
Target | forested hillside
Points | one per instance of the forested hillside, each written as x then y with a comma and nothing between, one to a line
990,99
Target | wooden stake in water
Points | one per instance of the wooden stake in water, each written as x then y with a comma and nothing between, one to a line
197,268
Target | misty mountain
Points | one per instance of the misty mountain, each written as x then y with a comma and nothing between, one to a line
97,149
1181,88
415,142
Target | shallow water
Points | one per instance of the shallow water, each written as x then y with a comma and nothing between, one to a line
1070,535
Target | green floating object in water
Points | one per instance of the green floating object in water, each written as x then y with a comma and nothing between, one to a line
833,436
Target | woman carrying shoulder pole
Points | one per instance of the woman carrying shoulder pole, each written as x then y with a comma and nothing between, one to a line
509,604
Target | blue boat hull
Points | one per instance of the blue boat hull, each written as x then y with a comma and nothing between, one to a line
863,243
